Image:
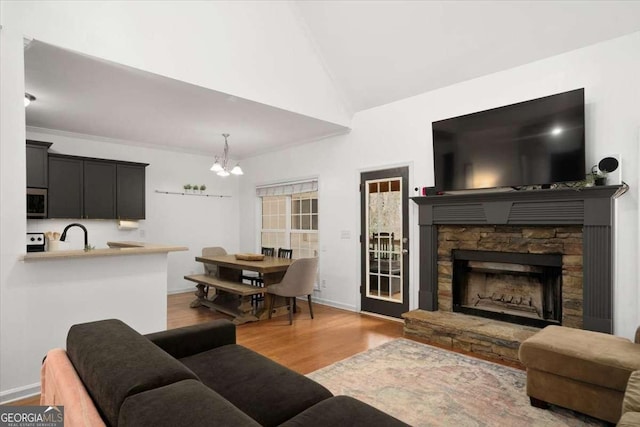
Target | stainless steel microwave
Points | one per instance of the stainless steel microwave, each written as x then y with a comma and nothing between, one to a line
36,202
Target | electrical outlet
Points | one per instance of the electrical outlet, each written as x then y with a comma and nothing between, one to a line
324,283
143,233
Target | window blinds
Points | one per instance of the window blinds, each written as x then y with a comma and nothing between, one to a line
287,188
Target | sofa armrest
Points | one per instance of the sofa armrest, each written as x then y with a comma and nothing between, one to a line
190,340
631,401
60,385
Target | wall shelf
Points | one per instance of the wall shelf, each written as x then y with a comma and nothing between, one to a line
178,193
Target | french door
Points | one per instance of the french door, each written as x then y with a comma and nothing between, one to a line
384,202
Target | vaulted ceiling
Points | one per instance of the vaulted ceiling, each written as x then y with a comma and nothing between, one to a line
375,52
382,51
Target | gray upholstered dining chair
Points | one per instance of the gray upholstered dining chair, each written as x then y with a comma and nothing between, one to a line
297,281
211,269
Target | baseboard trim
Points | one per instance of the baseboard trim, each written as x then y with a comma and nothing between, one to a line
19,393
332,303
181,291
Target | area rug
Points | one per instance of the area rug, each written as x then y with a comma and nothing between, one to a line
424,385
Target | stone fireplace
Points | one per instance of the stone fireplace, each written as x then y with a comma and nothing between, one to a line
577,224
531,258
524,275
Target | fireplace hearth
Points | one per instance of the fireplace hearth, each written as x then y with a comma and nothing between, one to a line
520,288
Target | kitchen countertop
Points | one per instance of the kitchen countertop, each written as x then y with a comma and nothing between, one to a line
114,249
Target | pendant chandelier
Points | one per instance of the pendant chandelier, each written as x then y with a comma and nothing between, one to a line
220,166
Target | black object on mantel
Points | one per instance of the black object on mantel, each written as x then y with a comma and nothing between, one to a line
591,207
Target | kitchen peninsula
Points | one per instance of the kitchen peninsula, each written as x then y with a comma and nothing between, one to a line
114,249
127,281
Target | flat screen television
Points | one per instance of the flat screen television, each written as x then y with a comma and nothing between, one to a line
536,142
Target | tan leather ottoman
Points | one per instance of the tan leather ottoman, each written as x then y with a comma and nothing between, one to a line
581,370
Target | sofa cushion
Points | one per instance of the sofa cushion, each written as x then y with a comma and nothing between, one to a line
185,403
115,362
590,357
263,389
629,419
631,401
343,411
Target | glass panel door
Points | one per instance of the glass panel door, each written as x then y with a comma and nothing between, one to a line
384,210
384,231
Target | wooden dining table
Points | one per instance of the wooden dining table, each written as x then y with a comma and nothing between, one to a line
232,296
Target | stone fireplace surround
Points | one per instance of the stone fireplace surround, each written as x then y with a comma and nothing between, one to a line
517,243
537,213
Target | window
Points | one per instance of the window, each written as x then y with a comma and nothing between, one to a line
303,238
290,218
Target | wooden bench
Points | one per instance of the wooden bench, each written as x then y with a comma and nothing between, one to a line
233,298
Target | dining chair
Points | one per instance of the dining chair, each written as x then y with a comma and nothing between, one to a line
255,279
211,269
297,281
285,253
252,276
282,253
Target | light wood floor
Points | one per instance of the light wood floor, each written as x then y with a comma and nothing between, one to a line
307,345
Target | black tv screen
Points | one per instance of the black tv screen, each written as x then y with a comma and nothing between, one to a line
536,142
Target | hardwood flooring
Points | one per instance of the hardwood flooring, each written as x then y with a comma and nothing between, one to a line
307,345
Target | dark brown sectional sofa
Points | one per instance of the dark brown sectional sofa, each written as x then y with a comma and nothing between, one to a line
199,376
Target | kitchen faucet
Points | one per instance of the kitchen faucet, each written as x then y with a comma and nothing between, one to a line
75,224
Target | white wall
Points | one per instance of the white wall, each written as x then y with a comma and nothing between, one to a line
254,50
191,221
400,133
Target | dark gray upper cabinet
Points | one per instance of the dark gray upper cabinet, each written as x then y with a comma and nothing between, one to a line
81,187
131,191
99,189
66,187
37,164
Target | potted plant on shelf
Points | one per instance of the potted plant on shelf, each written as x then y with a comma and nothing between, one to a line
186,187
202,188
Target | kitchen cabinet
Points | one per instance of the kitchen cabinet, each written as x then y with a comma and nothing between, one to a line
88,188
99,189
66,182
37,164
130,191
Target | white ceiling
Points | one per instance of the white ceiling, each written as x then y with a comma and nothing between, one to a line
376,52
81,94
383,51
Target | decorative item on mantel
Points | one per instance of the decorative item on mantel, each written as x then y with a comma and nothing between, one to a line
600,171
220,166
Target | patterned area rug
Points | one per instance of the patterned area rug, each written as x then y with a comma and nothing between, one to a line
427,386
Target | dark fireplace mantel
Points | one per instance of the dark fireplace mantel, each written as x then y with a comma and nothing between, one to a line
590,207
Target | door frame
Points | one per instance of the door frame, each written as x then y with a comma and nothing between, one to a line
381,307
